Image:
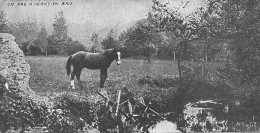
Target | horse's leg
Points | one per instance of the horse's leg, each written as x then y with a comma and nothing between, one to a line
78,76
72,83
103,77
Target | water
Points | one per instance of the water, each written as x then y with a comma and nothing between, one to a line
164,127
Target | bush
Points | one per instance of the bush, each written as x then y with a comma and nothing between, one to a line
77,106
246,93
69,47
34,49
69,114
31,48
24,47
22,112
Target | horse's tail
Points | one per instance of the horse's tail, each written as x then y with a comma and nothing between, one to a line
68,65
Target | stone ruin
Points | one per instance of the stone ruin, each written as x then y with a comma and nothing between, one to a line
13,65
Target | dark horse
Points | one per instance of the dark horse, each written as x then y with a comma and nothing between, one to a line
92,61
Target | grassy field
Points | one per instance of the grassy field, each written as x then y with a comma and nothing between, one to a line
48,75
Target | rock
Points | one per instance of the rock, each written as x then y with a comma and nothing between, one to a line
13,65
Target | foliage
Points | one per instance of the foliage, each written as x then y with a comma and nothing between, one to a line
247,93
52,45
139,41
25,31
110,41
4,24
60,27
42,40
22,112
94,39
24,47
69,114
78,106
69,47
236,22
182,29
160,88
34,48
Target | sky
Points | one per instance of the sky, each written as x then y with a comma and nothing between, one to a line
85,15
100,12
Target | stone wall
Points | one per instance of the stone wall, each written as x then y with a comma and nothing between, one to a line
13,65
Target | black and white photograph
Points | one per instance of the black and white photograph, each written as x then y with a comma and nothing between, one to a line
129,66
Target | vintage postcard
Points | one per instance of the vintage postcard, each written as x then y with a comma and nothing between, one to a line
142,66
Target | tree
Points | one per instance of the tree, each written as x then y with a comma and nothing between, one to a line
237,23
94,39
4,24
60,27
25,31
69,47
42,40
184,29
110,41
52,43
140,41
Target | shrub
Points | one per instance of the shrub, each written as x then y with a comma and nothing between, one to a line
76,105
24,47
62,121
22,112
69,114
69,47
34,49
246,93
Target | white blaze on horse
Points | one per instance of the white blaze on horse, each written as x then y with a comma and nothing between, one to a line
93,61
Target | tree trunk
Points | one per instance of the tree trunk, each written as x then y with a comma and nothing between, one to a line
182,49
46,52
174,58
205,56
179,68
149,60
205,52
148,54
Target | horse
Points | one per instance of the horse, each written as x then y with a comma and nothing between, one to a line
92,61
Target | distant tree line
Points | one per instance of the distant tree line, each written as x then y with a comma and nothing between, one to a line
33,38
138,40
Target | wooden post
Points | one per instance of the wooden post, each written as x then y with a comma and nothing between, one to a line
130,108
174,58
117,107
111,104
118,101
135,101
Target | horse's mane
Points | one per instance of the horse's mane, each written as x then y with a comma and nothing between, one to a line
108,52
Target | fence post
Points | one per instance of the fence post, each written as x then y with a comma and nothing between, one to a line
118,101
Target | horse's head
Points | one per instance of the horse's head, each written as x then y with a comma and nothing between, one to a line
118,59
114,54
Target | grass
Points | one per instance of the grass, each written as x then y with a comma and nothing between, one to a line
48,76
